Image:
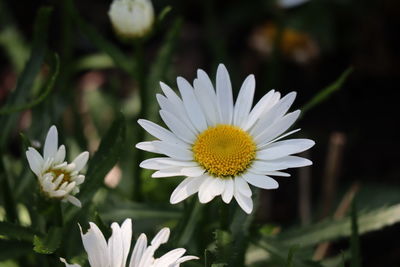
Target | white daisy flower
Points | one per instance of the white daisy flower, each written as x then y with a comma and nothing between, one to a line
57,178
221,147
114,253
131,18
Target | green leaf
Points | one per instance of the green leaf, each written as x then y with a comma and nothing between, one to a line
16,232
47,89
355,239
292,250
104,159
139,211
32,68
325,93
159,67
7,195
335,229
223,241
11,249
188,222
49,243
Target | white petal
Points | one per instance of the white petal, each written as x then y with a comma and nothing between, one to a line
161,238
262,106
207,100
242,187
191,105
278,173
69,265
274,114
192,171
170,257
284,148
224,95
51,143
138,250
174,105
262,166
277,128
148,146
172,151
186,188
164,163
35,160
170,172
260,181
244,101
95,246
115,247
81,160
246,203
177,127
206,190
60,155
228,191
186,258
160,132
74,201
126,230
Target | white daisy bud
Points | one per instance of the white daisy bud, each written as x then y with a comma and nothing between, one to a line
57,178
131,18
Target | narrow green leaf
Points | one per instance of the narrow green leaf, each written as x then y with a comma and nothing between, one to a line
292,250
355,239
119,58
139,211
325,93
16,232
164,12
188,223
47,89
32,68
7,195
335,229
104,159
160,65
49,243
223,241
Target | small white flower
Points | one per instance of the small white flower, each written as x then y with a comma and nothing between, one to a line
114,253
131,18
221,147
57,178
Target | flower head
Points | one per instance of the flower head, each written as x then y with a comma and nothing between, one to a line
222,146
131,18
58,179
114,253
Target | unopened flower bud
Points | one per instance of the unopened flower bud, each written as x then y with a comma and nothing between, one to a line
131,18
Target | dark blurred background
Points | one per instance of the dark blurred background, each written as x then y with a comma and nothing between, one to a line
305,49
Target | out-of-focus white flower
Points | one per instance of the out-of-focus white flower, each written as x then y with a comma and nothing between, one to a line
57,178
114,253
219,145
131,18
290,3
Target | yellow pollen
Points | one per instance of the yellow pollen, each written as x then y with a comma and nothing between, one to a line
224,150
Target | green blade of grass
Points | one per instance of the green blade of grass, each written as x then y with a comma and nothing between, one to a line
325,93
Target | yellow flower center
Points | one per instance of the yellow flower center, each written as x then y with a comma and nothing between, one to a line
224,150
